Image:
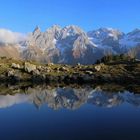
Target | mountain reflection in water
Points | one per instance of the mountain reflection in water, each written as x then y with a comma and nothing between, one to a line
67,97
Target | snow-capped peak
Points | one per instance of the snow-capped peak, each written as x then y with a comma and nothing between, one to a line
103,33
71,31
54,28
132,39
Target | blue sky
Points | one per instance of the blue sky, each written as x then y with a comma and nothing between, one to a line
24,15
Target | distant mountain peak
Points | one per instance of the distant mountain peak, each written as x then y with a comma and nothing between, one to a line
54,28
134,32
136,29
37,30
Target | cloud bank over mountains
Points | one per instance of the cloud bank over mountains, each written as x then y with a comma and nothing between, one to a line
9,37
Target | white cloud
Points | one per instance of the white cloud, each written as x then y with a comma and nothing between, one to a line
9,100
7,36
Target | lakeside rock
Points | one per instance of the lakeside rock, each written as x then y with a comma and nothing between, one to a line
29,67
16,66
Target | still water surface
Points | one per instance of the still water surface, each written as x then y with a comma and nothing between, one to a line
69,113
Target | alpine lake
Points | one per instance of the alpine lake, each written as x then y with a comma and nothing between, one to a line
69,112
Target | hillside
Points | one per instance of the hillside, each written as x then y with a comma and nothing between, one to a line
12,71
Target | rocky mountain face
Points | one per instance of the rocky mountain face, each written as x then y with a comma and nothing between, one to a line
106,37
60,45
131,42
72,45
131,39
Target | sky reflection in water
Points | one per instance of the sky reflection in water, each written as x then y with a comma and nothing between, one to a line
69,113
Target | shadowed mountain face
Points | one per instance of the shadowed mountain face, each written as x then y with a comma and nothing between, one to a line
68,97
106,38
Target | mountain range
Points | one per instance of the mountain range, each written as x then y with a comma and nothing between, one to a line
70,45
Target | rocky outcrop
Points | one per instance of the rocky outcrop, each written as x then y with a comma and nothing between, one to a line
28,67
13,70
16,66
99,67
10,73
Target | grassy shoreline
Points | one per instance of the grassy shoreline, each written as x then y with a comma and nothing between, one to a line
18,71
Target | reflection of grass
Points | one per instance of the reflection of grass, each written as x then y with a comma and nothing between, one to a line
28,88
112,87
15,89
134,88
5,90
